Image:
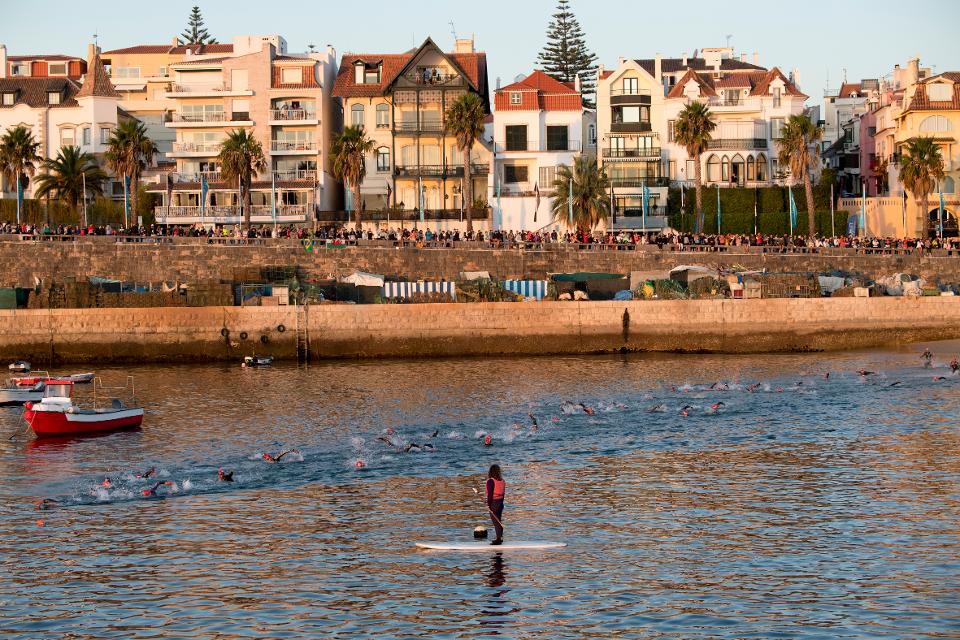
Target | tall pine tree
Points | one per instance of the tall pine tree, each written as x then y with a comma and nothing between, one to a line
195,33
566,56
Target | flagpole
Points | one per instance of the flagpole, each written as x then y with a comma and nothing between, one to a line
755,211
718,209
19,198
940,212
273,199
84,199
833,231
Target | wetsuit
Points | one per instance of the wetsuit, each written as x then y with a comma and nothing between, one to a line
496,490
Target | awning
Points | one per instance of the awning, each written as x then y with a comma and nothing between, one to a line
363,279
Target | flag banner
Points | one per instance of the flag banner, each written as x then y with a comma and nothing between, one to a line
422,201
793,211
536,203
570,199
273,195
718,209
204,189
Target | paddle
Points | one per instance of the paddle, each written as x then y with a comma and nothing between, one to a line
489,509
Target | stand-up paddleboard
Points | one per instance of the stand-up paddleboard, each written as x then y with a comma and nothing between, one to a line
486,546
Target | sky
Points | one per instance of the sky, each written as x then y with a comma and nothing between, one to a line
822,39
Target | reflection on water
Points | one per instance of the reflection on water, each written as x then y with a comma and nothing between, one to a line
806,507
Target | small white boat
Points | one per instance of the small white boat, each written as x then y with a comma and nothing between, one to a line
81,378
20,366
16,393
257,361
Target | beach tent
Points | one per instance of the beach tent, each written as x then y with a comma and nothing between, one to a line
598,286
533,289
409,289
363,279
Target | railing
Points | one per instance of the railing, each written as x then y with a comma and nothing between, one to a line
737,143
405,126
629,92
431,77
197,147
728,101
211,176
228,211
215,116
439,170
630,127
293,145
647,152
405,215
296,174
536,145
292,114
636,183
198,88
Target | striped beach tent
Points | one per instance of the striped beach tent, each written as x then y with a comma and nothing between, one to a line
536,289
408,289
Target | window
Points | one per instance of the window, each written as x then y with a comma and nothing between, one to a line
57,69
672,170
291,75
762,168
547,176
66,137
691,169
713,169
592,134
631,115
617,146
383,116
125,72
939,91
671,126
935,124
516,97
162,72
871,131
383,159
53,97
8,99
751,169
557,139
19,69
725,169
86,136
630,86
356,115
776,96
371,74
358,73
104,135
514,173
776,124
516,137
948,185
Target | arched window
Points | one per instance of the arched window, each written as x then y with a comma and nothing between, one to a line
383,116
356,115
762,168
935,124
948,185
751,169
713,169
383,159
725,169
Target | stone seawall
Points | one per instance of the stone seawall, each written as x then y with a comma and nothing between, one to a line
179,334
195,261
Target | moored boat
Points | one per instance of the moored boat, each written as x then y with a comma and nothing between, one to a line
57,415
20,366
18,393
81,378
257,361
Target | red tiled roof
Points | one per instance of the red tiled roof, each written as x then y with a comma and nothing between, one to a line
789,88
742,80
474,65
202,61
166,48
33,91
97,82
540,81
705,82
921,101
848,88
308,79
539,91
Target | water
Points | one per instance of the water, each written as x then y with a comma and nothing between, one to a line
827,509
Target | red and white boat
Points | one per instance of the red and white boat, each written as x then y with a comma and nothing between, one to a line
57,415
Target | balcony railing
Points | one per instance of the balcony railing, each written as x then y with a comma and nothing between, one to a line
536,145
198,88
638,182
293,145
646,152
169,214
197,147
431,77
296,174
620,91
630,127
737,143
439,171
406,126
213,116
292,114
211,176
728,101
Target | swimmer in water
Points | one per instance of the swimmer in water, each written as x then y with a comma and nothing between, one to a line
717,406
927,357
419,447
359,464
387,441
954,366
753,387
938,378
435,433
587,410
152,491
224,476
152,471
864,373
660,408
271,459
686,410
534,425
488,440
895,384
46,503
106,484
826,376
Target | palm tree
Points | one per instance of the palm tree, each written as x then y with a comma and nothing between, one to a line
921,166
693,130
591,187
130,151
19,159
798,148
350,151
464,121
241,156
66,176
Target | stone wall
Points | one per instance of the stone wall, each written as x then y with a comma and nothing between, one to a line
197,261
179,334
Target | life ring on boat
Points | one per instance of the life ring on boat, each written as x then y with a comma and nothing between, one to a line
281,328
224,332
243,335
264,338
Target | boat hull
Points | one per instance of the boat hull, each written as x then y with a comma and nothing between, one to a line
64,423
10,397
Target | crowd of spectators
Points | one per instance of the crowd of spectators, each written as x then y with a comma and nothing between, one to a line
677,241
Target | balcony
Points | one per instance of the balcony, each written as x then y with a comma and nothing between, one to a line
204,90
292,147
259,214
647,153
629,96
295,174
439,171
293,117
520,146
210,176
630,127
405,126
733,103
188,120
195,149
431,77
737,143
638,182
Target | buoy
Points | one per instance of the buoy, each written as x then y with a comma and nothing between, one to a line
106,483
360,464
40,523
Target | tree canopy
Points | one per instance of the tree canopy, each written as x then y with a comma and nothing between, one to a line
195,33
566,56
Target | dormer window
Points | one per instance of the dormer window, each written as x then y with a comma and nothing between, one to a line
57,68
776,96
19,69
516,97
364,73
939,91
8,99
53,97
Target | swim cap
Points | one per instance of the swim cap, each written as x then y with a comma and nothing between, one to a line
488,440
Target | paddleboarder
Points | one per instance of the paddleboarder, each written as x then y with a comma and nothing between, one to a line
496,490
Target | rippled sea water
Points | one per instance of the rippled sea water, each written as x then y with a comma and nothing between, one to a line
807,507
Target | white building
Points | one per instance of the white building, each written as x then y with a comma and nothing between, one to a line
539,124
61,112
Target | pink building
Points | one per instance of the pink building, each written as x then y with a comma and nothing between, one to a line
868,154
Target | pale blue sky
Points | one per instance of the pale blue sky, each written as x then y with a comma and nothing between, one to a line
818,37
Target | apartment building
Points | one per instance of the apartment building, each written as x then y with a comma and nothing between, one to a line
843,144
400,100
142,75
62,112
539,124
283,100
42,66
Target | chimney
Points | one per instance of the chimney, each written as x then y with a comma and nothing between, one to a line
3,61
577,84
756,58
743,57
795,77
684,60
913,70
498,83
92,51
463,45
658,69
621,61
